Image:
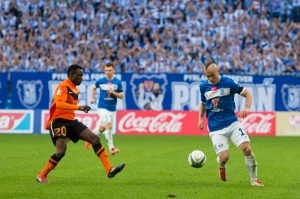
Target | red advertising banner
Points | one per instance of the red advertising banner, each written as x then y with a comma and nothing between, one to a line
260,124
90,119
158,122
186,123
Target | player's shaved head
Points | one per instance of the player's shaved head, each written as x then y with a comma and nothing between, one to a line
211,71
211,66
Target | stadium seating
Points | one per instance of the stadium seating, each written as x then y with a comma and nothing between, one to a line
248,37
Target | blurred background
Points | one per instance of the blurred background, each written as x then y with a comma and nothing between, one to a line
159,48
243,36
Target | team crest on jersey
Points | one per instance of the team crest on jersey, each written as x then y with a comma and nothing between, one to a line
143,86
291,97
30,92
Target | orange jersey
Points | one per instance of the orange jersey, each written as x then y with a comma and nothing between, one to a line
64,102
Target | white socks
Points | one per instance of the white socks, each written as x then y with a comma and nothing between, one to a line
251,166
109,139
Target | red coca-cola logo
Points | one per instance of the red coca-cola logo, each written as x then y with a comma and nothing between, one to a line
259,123
164,122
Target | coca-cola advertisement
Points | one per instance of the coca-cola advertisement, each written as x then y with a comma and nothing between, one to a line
158,123
260,123
186,123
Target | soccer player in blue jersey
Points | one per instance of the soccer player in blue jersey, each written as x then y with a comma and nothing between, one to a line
217,102
110,89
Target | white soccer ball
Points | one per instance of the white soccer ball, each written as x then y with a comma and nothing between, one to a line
197,159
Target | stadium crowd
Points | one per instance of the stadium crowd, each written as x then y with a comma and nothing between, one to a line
169,36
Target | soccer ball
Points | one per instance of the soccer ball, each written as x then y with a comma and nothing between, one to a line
197,159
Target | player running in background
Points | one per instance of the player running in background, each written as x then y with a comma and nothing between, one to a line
110,89
63,126
217,101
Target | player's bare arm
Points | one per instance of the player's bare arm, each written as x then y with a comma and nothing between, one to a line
246,94
93,93
202,112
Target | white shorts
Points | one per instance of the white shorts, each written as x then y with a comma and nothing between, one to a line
235,132
105,116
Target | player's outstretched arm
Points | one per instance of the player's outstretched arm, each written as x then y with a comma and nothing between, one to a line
202,111
66,106
246,94
93,93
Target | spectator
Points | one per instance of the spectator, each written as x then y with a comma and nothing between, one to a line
296,70
289,70
224,64
145,36
286,10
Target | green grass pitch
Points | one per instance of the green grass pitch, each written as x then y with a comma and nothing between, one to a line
156,167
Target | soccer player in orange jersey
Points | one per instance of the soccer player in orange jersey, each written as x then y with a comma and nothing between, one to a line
63,126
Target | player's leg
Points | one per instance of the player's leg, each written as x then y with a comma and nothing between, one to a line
89,136
221,146
101,130
240,138
113,149
58,133
109,138
106,121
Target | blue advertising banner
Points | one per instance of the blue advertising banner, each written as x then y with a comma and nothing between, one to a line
29,90
158,91
36,90
182,92
3,89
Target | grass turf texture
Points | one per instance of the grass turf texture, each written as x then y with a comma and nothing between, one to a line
156,167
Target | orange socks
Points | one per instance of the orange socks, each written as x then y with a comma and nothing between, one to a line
101,153
51,164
